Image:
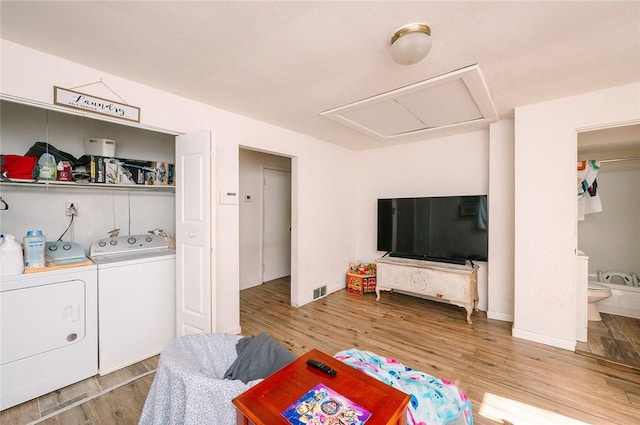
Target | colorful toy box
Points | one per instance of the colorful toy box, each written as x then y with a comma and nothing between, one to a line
361,278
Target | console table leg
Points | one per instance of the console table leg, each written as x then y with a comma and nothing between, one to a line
377,293
469,311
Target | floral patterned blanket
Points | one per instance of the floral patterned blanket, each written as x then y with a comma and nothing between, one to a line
433,401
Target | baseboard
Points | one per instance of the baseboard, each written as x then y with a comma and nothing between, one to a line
619,311
544,339
500,316
250,284
234,331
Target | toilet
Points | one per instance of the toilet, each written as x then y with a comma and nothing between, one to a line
596,292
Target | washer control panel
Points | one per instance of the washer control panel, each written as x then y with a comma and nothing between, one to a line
128,244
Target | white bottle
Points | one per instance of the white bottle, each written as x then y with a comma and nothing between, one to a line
11,259
47,167
34,244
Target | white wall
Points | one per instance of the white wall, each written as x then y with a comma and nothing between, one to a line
611,238
322,177
501,219
453,165
545,207
252,164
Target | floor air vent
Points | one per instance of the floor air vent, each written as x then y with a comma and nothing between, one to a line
320,292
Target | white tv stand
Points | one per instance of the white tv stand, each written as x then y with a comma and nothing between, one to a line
457,284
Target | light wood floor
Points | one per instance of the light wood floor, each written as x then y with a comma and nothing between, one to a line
509,380
115,398
615,339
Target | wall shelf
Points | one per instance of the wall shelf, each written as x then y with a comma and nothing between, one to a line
92,186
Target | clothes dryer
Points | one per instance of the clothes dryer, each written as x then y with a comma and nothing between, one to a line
49,331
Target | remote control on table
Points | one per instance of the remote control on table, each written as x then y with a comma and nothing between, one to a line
321,366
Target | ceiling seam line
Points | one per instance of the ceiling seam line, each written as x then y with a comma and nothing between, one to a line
411,112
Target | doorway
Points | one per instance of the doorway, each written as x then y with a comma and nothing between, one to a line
264,217
276,230
611,239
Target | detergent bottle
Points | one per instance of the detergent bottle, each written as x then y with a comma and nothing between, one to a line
11,259
47,167
34,243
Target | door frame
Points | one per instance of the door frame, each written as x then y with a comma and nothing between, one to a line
295,177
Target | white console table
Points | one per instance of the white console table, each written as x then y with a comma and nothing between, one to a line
457,284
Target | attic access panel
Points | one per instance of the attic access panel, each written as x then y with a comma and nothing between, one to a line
446,101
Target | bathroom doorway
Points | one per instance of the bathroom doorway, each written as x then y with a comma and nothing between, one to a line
611,240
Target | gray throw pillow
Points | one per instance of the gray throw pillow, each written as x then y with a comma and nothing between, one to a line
258,357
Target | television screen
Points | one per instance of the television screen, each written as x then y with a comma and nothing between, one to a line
448,228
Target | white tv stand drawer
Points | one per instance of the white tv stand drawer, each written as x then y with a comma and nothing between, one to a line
457,284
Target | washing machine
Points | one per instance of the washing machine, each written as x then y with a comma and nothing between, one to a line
48,331
136,298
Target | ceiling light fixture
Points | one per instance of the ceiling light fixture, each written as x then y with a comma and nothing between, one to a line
411,43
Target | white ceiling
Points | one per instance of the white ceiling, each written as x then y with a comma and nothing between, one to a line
286,62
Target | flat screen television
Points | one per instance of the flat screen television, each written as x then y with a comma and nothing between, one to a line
451,229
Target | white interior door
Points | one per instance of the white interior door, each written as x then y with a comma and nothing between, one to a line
276,242
195,277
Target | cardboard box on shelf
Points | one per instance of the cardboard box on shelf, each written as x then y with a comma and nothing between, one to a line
96,169
110,170
161,174
134,171
125,171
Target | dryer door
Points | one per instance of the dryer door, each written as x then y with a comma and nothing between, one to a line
41,318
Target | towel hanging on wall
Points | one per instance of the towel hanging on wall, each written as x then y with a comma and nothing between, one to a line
588,194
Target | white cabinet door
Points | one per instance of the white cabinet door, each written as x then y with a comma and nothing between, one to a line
195,276
40,319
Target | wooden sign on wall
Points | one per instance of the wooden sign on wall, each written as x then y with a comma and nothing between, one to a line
85,102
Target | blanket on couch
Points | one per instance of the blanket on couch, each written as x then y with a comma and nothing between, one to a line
189,387
198,376
433,401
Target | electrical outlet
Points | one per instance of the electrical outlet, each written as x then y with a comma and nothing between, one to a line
71,208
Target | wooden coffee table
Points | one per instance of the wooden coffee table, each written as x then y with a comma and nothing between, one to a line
263,403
